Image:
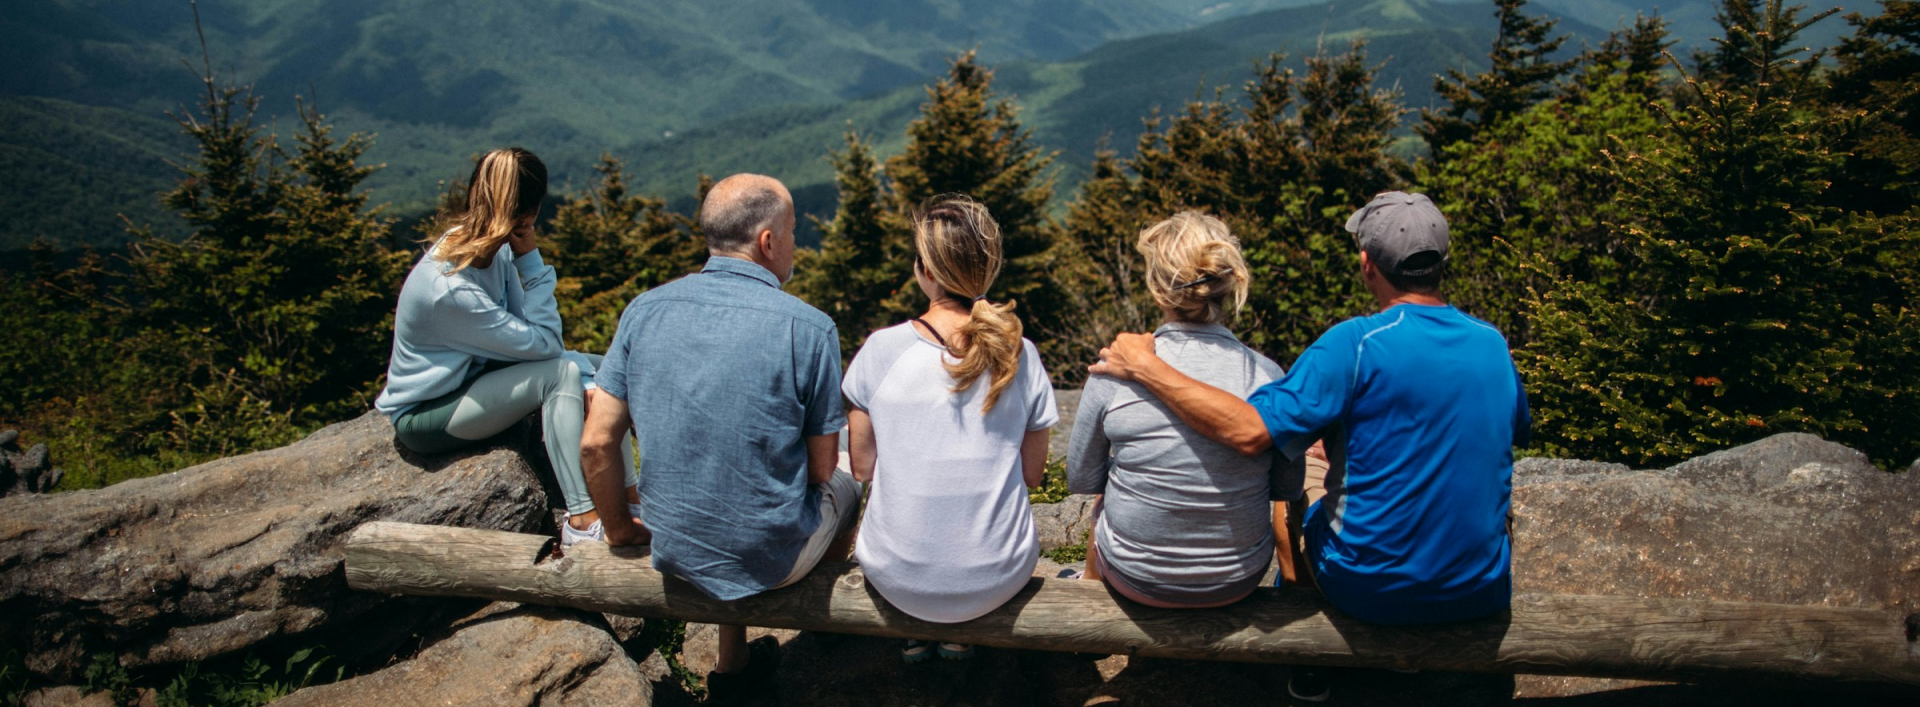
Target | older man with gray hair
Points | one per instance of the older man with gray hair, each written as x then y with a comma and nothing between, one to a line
733,390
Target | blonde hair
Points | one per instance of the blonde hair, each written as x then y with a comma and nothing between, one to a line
959,248
1194,267
507,186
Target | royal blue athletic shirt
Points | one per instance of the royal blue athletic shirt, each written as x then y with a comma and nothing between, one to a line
1420,407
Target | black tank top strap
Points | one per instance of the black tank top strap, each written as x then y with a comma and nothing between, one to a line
933,331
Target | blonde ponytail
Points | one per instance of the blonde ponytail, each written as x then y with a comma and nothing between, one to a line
1194,268
959,247
507,186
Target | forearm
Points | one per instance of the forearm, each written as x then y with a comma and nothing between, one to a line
1033,457
823,454
862,452
1214,413
606,484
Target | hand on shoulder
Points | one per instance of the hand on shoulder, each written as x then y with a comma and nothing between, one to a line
1127,357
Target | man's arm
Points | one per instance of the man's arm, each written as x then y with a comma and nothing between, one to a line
607,423
1216,414
823,454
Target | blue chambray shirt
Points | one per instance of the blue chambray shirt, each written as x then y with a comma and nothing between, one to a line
725,376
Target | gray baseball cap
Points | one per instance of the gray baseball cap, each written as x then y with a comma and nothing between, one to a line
1396,226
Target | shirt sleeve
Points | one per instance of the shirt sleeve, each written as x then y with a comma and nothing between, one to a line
861,379
1312,396
471,322
611,375
1286,476
1090,453
825,413
1042,411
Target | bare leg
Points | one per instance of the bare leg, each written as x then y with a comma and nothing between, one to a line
732,649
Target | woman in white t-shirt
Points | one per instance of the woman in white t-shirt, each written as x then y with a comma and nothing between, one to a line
949,421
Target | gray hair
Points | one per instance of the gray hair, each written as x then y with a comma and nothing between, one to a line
731,218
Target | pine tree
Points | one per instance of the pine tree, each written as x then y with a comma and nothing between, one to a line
965,141
1522,73
1283,173
612,245
1771,308
857,268
1529,199
1757,45
1875,90
276,310
968,142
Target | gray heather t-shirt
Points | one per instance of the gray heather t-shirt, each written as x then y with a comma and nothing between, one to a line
1180,509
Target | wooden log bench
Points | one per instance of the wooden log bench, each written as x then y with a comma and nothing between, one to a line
1542,634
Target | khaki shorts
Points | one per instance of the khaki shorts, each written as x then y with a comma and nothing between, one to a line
839,510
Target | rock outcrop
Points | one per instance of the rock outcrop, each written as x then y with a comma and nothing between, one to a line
1790,519
226,555
29,471
503,656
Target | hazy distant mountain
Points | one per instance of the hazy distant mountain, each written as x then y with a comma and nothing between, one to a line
679,86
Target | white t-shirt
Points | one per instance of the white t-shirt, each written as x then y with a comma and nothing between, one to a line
948,535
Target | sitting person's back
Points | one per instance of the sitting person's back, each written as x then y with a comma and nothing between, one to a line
1413,524
949,421
1184,521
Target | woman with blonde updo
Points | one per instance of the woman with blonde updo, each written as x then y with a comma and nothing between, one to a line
476,339
1184,522
948,421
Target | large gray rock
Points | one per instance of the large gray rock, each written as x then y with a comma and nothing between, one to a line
503,656
226,555
1790,519
1065,523
28,471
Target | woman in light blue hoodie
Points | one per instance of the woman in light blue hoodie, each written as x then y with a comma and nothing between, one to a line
476,340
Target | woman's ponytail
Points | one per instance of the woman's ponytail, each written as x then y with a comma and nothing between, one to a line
989,343
507,185
959,247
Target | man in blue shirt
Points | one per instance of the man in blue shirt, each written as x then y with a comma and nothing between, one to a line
732,388
1419,405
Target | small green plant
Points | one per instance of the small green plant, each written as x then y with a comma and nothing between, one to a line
15,681
106,674
248,681
1069,554
1053,484
669,637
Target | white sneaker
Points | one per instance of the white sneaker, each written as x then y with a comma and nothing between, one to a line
569,536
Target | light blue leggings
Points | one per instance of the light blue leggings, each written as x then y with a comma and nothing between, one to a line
496,400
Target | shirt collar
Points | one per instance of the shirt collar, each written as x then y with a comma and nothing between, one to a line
1196,328
742,267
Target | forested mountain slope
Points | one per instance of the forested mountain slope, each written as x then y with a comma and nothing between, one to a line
677,86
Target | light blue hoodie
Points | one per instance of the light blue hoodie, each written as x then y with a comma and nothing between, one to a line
450,324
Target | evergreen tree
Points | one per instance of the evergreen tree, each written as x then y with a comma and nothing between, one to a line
278,307
1522,73
1875,90
1771,309
1530,198
1757,45
856,270
1283,173
966,142
611,246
